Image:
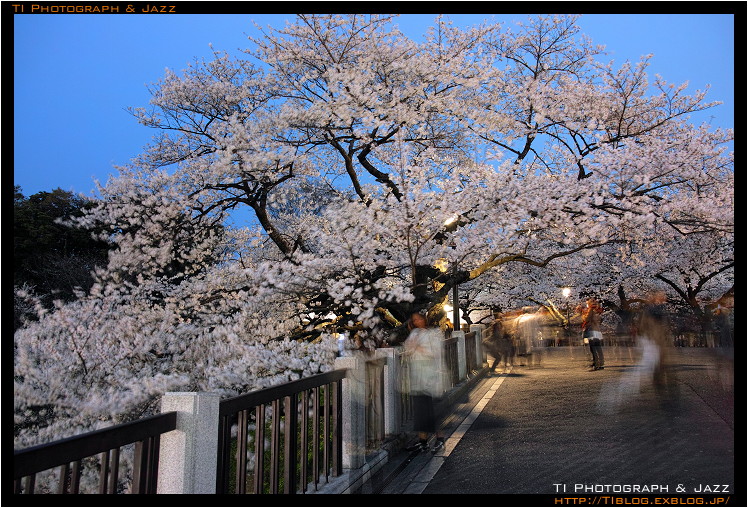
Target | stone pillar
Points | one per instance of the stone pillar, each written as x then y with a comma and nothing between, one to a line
479,331
354,411
374,399
462,368
391,397
188,455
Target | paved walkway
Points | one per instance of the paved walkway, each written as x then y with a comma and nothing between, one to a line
559,429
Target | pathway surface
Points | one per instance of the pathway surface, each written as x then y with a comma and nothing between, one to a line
562,429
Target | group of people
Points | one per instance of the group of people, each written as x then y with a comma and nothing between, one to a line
651,328
508,341
512,339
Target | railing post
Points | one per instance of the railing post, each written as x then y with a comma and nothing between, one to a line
374,400
479,331
461,366
188,455
401,373
391,398
354,410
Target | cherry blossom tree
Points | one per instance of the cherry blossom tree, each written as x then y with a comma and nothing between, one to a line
375,172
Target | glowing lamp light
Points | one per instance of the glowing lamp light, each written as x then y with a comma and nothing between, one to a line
441,265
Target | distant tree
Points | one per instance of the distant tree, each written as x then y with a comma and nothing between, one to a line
54,258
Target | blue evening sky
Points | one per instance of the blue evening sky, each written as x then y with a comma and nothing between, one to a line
75,75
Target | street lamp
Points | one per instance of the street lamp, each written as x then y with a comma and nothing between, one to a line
566,292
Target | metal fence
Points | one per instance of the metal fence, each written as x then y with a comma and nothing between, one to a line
102,449
282,438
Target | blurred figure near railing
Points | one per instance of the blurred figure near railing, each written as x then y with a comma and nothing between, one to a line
498,343
525,328
425,348
303,436
724,313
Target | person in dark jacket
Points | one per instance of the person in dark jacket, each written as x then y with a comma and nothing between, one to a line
591,319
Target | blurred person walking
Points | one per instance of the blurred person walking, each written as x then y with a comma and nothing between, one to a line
499,344
525,331
548,327
652,331
724,314
655,326
425,350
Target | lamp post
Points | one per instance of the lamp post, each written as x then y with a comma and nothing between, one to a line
456,303
566,292
455,300
448,224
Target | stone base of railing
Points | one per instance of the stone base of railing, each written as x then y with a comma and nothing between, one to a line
353,479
